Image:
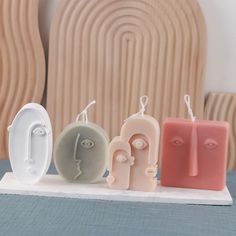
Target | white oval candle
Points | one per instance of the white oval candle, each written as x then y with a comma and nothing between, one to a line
80,152
30,143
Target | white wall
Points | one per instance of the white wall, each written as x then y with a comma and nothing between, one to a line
221,67
221,21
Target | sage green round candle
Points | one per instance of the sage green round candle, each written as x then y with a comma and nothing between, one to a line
80,153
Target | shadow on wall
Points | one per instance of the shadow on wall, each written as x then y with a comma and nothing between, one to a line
46,12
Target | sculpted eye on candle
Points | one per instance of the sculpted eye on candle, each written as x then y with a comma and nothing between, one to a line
194,153
30,143
80,153
133,155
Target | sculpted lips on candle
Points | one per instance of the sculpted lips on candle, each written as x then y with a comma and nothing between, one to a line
81,151
194,153
134,154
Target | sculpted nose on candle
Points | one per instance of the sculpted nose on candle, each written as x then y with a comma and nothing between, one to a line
193,155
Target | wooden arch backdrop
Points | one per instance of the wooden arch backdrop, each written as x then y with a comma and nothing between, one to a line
114,51
22,62
222,107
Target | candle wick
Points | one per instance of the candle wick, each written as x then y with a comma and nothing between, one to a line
84,113
187,101
143,104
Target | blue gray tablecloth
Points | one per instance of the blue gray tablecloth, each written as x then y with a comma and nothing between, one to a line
27,215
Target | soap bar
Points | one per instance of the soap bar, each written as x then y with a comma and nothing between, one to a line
134,155
194,154
80,153
30,143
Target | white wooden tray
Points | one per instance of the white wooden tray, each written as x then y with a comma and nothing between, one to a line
54,186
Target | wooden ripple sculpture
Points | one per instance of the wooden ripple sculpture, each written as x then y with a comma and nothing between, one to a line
114,51
222,107
22,63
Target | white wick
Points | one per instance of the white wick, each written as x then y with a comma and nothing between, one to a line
187,101
143,104
84,113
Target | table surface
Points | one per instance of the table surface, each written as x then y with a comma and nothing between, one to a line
28,215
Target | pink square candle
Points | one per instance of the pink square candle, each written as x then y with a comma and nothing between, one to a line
194,154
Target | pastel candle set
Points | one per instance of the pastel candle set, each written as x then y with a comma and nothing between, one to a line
134,154
194,153
80,153
30,143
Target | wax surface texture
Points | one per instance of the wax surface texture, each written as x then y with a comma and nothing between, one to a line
134,155
194,154
81,152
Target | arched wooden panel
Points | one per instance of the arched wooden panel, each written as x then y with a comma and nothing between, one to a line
114,51
22,63
222,107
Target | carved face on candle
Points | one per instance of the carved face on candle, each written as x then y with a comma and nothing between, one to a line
194,154
134,155
30,143
81,152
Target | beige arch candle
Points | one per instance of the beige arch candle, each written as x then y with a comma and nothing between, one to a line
134,154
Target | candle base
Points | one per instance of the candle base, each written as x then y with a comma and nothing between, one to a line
55,186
